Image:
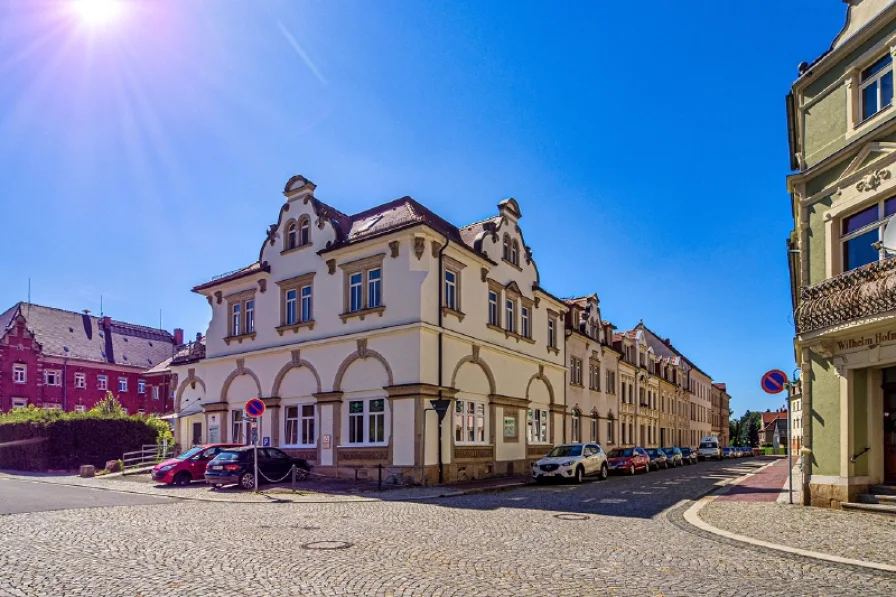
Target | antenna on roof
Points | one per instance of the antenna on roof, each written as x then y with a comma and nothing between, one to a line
29,296
101,305
160,319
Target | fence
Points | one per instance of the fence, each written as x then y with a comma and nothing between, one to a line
148,454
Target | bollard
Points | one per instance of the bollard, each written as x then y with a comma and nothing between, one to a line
293,477
379,481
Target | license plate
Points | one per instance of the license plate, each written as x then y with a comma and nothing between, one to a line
216,468
549,474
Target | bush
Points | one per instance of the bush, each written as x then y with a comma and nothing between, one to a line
71,439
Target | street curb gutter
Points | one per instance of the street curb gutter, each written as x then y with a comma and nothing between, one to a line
475,490
692,517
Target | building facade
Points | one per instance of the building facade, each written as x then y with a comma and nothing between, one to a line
348,327
842,134
56,359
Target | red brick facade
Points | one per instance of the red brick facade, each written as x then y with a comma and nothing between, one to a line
52,381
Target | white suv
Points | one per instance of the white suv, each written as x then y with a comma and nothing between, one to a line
572,461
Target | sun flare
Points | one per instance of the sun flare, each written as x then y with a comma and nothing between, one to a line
98,12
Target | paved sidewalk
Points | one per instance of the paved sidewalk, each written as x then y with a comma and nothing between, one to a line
754,510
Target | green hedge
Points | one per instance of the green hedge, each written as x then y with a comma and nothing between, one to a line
72,439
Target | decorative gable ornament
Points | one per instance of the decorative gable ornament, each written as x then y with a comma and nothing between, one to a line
871,181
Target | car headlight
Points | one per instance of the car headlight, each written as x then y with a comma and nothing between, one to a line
167,468
568,463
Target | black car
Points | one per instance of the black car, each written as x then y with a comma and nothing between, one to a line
689,455
237,466
658,459
674,456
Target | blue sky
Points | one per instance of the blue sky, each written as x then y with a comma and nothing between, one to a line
645,142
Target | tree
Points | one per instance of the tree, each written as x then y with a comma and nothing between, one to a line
109,406
753,430
733,431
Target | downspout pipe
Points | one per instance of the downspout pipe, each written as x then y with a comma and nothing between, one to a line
439,316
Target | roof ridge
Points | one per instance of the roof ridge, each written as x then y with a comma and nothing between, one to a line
480,221
92,316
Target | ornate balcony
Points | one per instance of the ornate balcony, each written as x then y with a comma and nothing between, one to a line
864,292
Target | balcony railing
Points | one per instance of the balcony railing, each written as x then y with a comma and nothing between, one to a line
862,292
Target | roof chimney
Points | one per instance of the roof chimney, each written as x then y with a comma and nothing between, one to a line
178,336
107,322
198,336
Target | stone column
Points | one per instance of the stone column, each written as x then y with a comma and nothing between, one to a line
330,410
272,413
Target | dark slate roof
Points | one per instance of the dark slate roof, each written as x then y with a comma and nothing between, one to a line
80,336
395,215
471,232
234,275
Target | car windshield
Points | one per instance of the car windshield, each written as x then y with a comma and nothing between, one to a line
669,451
685,451
654,452
561,451
616,453
189,454
708,445
228,456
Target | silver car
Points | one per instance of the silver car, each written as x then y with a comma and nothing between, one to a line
572,461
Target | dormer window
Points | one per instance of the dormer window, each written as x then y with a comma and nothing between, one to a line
305,231
292,236
876,86
515,252
506,253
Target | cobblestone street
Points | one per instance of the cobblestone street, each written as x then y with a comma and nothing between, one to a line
625,536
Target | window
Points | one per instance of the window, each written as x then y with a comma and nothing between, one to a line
469,422
80,408
611,436
595,377
492,308
306,304
250,316
506,253
876,86
510,315
19,402
155,392
538,426
515,252
300,425
355,283
19,373
367,421
80,381
552,333
235,326
575,371
141,386
290,307
122,384
238,431
305,232
594,428
861,230
611,382
374,288
292,237
451,290
52,377
100,382
525,327
576,427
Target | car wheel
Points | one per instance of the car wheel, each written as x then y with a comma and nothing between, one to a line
604,472
666,465
632,470
580,475
539,480
247,481
182,478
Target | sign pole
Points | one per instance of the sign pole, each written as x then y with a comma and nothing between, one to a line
789,445
257,426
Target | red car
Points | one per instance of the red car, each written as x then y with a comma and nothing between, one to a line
189,466
628,460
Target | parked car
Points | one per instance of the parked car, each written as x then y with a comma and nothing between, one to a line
189,466
572,461
674,456
730,453
689,455
709,449
237,466
658,458
628,460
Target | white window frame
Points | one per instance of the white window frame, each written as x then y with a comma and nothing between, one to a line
552,333
356,291
305,426
514,252
880,224
122,384
141,386
525,322
538,423
576,427
19,403
595,429
52,377
510,315
305,232
80,408
374,288
236,312
292,302
875,78
19,373
102,382
80,380
292,236
493,313
239,431
307,303
155,392
367,416
250,316
451,289
472,418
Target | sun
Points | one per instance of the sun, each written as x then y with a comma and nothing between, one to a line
98,12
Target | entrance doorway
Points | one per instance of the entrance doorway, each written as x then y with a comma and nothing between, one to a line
197,434
889,424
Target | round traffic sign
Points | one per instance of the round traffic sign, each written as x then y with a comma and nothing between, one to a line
774,381
254,407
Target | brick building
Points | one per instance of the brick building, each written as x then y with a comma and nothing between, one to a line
59,359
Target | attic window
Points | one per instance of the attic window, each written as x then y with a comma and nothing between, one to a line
370,223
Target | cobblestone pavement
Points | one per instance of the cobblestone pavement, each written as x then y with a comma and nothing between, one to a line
613,538
846,534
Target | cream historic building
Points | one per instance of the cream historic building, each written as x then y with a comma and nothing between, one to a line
349,326
842,133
